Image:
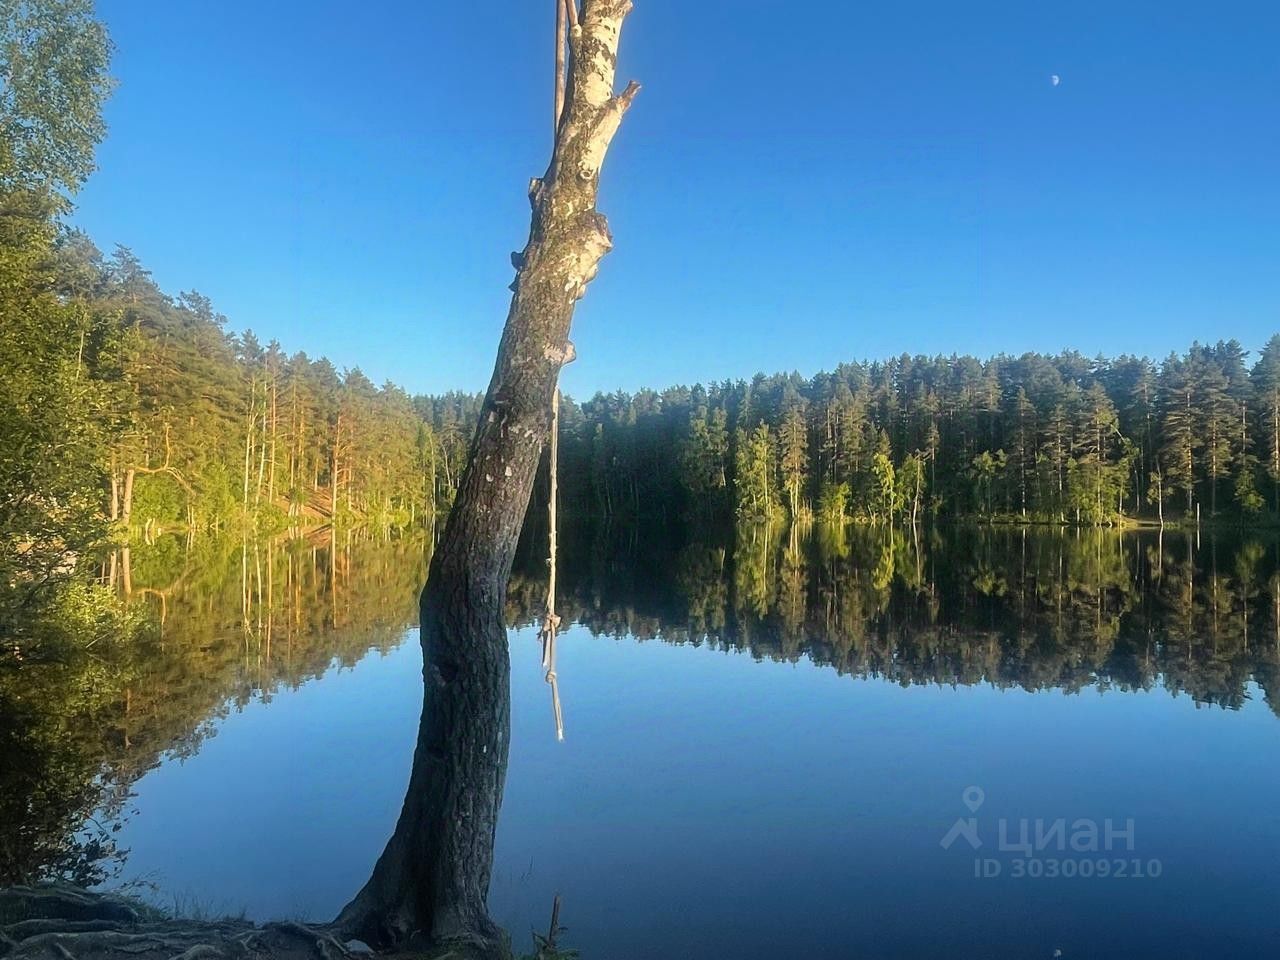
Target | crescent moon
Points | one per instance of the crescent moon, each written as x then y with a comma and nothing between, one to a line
1055,79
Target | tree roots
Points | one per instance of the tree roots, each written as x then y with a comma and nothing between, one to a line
58,922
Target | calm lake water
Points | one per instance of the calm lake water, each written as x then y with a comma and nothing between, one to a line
811,746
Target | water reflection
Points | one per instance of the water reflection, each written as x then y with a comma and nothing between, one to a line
236,622
227,623
1028,608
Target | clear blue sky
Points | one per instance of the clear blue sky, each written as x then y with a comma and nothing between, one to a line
797,184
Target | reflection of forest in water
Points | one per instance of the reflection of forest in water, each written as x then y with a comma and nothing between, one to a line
1011,606
230,622
225,623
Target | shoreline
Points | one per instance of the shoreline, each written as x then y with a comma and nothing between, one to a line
57,921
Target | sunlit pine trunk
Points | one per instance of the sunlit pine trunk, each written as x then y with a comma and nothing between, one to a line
126,498
334,466
262,454
248,444
271,483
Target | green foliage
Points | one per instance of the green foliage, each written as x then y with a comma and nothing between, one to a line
1032,439
704,461
793,460
910,486
213,431
61,356
1098,473
57,689
1265,380
986,468
54,57
60,387
833,502
1247,496
884,503
754,473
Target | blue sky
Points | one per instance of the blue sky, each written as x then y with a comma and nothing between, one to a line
797,184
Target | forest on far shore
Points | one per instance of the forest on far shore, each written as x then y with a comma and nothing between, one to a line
214,430
126,411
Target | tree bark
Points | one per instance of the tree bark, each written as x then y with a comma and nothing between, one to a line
248,443
333,468
126,505
432,880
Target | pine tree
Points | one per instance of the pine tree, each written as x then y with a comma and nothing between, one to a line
754,473
1216,416
1021,461
1098,472
910,487
793,459
1266,384
1180,440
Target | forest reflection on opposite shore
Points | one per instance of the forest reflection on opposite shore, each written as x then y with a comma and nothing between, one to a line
1010,606
231,622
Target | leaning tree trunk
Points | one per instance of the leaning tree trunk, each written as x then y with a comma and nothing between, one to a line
432,880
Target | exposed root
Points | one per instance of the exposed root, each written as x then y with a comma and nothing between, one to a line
65,923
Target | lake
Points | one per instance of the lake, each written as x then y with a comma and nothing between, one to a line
962,741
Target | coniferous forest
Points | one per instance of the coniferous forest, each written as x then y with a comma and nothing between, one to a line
199,428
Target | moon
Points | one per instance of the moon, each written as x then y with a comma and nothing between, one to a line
1055,79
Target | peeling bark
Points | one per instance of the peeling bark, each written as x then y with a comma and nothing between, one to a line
432,880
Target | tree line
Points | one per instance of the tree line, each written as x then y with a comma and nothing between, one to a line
202,428
217,428
1032,438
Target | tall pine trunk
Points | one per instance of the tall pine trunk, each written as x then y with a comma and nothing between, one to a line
271,483
432,879
248,444
335,467
126,501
